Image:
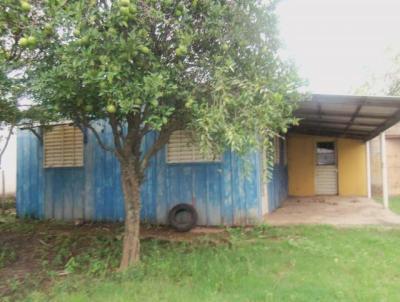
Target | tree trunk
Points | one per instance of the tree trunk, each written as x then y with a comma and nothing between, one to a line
131,188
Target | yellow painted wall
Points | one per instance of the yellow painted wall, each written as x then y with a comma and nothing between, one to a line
352,167
352,179
301,159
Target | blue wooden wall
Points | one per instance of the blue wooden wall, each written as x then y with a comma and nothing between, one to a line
223,193
278,185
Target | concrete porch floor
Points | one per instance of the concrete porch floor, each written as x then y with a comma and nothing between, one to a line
334,210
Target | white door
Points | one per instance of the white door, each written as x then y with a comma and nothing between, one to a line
326,169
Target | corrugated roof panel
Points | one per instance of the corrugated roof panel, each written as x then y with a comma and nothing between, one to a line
359,117
326,107
367,128
371,121
309,106
378,110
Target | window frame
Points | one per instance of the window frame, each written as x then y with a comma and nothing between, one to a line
335,153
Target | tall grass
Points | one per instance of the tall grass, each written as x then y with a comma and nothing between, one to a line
309,263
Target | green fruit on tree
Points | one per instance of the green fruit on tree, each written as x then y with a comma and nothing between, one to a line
83,41
124,10
132,9
167,3
76,32
103,85
7,55
189,102
112,31
124,2
178,13
181,50
154,103
88,108
48,29
225,47
25,6
144,49
23,42
143,33
111,108
32,41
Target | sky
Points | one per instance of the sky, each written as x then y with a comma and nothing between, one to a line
9,166
337,45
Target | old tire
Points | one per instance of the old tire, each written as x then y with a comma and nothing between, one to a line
183,217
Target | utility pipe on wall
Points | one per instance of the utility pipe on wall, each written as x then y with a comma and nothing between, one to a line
368,152
385,193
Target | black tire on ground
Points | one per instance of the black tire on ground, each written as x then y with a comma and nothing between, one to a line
183,217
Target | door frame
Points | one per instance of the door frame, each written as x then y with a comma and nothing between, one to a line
335,141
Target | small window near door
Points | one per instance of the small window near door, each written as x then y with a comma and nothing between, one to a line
326,154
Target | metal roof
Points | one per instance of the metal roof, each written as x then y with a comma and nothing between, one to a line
360,117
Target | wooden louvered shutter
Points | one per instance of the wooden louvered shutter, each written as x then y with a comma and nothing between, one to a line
181,149
63,147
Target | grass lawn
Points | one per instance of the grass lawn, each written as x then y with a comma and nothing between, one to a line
394,203
308,263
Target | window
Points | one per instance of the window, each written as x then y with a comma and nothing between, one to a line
63,147
181,149
326,154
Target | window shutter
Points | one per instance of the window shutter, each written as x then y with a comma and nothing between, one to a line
181,149
63,147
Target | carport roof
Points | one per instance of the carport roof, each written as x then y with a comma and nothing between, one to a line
360,117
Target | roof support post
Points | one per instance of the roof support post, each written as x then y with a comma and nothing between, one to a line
368,163
385,194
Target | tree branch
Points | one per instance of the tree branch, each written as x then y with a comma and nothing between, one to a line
82,123
160,142
38,136
6,143
116,133
99,140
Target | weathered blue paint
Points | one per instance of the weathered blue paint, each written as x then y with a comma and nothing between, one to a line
30,175
224,193
278,185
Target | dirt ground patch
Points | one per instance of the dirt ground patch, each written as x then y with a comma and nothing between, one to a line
34,253
333,210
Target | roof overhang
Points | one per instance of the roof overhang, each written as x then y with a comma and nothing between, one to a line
359,117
